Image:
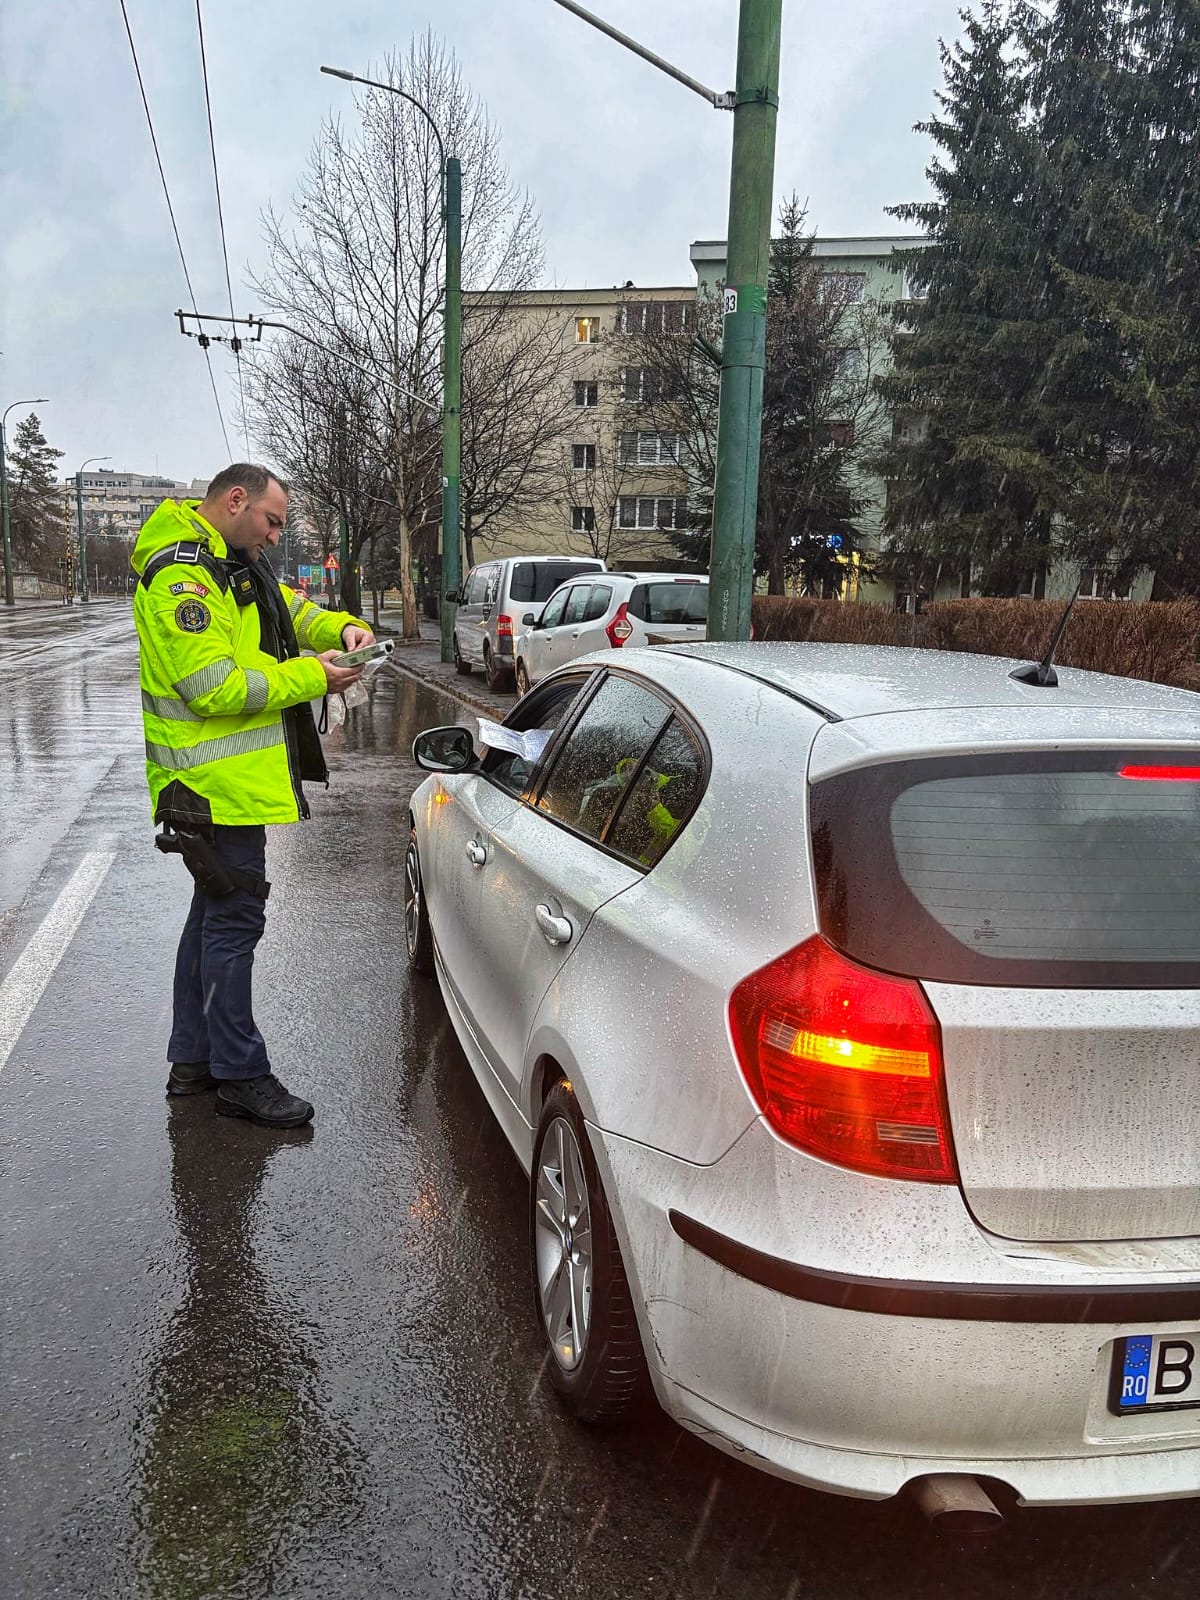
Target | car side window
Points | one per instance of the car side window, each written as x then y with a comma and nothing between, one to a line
476,584
661,798
544,709
552,615
602,751
598,602
491,585
576,603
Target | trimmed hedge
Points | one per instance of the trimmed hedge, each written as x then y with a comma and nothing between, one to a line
1155,640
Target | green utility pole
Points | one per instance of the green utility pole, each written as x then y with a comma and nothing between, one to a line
344,559
452,408
83,582
755,106
10,598
743,354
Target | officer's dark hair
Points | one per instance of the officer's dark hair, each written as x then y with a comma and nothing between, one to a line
245,475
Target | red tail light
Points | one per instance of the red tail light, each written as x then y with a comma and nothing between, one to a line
504,627
846,1063
620,628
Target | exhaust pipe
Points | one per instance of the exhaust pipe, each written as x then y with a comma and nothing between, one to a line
956,1503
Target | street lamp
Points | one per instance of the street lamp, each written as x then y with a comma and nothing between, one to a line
452,351
10,598
83,572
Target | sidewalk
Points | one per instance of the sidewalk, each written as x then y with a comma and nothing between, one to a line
422,659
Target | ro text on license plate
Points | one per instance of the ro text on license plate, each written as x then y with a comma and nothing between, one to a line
1155,1372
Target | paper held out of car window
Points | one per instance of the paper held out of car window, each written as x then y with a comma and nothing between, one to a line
528,745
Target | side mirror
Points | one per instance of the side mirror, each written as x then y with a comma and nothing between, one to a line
529,620
444,749
453,598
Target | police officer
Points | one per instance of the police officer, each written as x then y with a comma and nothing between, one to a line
229,740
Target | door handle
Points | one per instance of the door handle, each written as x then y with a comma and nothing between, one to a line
555,930
476,853
575,635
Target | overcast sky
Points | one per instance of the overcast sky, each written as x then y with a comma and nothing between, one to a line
626,166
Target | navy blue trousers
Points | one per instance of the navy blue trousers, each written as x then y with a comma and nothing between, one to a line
214,1015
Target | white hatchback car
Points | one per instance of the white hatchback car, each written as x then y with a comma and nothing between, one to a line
618,610
842,1005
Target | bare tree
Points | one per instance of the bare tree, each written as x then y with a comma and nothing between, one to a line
323,427
362,262
518,409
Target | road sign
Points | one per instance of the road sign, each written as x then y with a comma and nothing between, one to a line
331,563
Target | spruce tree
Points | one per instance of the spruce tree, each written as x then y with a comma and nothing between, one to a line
36,507
973,474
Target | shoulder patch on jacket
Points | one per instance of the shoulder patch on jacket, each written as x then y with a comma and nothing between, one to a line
192,616
188,587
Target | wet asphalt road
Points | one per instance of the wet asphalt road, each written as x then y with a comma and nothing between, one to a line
243,1364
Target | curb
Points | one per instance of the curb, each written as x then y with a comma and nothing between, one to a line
434,680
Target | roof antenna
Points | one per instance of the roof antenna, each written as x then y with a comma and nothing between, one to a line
1042,672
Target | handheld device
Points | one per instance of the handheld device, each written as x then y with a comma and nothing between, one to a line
365,653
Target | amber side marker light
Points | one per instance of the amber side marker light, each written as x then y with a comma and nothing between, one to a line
1162,774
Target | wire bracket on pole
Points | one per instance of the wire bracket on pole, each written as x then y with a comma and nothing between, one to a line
720,99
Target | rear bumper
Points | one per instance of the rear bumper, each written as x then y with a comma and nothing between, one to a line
866,1369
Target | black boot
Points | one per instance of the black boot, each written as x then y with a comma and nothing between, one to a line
190,1077
263,1100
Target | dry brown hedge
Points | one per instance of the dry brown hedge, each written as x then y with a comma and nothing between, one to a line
1158,641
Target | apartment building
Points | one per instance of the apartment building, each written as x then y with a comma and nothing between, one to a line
117,503
611,478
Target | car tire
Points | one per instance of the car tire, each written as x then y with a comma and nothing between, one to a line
497,677
418,938
523,683
463,668
581,1294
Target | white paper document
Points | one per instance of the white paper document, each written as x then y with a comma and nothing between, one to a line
529,745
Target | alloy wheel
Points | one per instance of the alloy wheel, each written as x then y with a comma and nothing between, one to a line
563,1244
412,899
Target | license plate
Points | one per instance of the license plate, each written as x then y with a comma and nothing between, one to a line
1155,1372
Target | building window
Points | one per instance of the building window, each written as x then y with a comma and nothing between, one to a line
639,449
846,287
657,316
841,434
652,511
583,519
583,457
587,394
850,364
644,385
587,330
1097,583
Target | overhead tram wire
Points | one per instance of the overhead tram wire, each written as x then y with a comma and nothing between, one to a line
171,209
212,144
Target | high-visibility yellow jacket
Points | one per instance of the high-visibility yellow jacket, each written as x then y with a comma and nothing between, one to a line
212,698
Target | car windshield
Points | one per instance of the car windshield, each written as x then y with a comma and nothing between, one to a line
535,581
1027,869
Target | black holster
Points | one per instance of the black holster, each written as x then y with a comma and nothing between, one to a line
203,860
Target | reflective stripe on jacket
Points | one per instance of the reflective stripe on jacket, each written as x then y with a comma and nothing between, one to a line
212,698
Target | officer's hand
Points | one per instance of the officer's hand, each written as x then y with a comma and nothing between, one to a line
355,637
338,679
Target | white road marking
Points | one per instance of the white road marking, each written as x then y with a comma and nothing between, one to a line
35,966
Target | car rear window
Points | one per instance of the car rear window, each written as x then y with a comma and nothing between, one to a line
537,580
670,602
1023,870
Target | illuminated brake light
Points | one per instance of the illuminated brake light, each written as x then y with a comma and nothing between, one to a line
620,628
504,626
846,1063
1162,774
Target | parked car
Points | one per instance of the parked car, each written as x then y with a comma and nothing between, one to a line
842,1005
626,608
494,597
